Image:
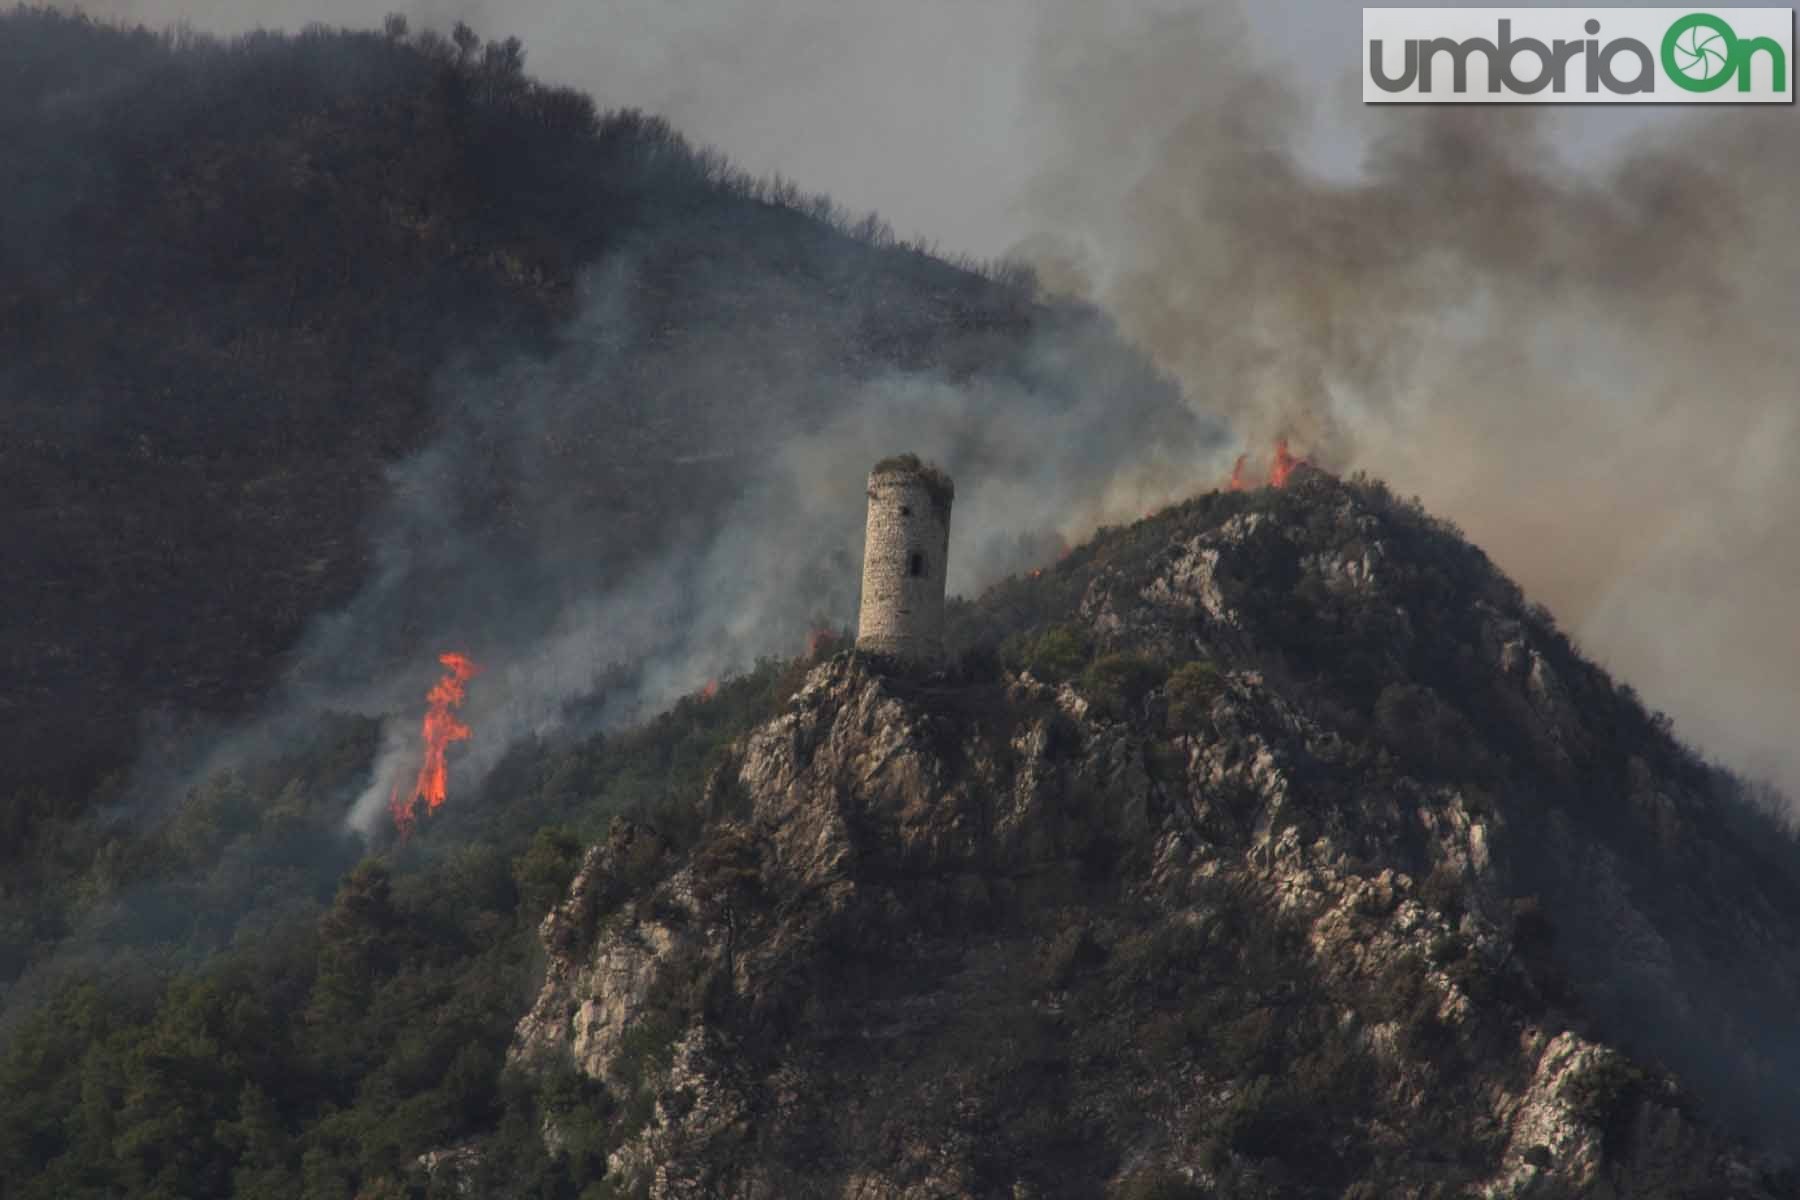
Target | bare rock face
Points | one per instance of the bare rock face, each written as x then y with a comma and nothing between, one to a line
595,980
453,1171
1008,937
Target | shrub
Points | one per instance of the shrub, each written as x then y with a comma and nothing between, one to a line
1072,950
645,1051
1191,691
1422,727
1164,1037
543,873
1247,1044
1056,654
1449,948
1404,995
1116,684
1253,1122
1442,891
1607,1095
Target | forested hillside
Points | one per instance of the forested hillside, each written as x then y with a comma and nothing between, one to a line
259,295
230,276
251,291
1270,846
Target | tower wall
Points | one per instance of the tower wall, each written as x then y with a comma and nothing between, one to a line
906,551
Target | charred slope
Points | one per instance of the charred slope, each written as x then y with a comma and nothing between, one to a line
1282,849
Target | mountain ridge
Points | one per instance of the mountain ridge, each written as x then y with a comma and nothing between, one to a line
1149,930
1157,890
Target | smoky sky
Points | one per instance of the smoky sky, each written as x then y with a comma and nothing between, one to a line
747,435
1568,329
1587,364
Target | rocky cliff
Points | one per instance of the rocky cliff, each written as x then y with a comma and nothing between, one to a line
1272,846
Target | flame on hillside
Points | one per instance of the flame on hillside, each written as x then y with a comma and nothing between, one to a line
1282,466
439,729
821,642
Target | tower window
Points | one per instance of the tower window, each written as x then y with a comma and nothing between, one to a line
916,566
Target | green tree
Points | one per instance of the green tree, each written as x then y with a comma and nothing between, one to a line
1056,654
543,873
360,941
261,1147
1116,683
1191,691
728,883
177,1084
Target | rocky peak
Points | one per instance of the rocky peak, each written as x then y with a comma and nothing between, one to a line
1297,856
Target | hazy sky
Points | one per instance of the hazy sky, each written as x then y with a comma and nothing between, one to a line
919,109
1570,329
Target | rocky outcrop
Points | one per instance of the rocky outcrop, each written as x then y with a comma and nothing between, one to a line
992,935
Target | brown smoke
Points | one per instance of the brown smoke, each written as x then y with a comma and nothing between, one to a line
1590,369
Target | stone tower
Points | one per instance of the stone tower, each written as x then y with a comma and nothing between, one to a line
907,549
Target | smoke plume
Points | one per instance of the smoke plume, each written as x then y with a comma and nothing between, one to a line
1583,363
607,525
1588,366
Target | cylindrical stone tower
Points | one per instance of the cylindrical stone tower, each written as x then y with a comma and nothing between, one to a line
907,549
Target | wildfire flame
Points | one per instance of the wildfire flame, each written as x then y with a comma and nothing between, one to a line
821,640
1281,468
710,691
439,729
1237,483
1284,464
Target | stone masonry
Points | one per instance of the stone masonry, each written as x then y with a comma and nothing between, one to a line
907,549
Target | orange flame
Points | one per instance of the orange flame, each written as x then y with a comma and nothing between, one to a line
439,729
710,691
1283,467
821,640
1237,483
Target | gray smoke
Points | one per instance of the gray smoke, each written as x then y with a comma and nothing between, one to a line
1590,368
751,440
1568,330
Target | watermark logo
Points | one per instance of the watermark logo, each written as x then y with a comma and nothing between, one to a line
1577,56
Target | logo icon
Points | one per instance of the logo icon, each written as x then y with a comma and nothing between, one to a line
1702,53
1697,50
